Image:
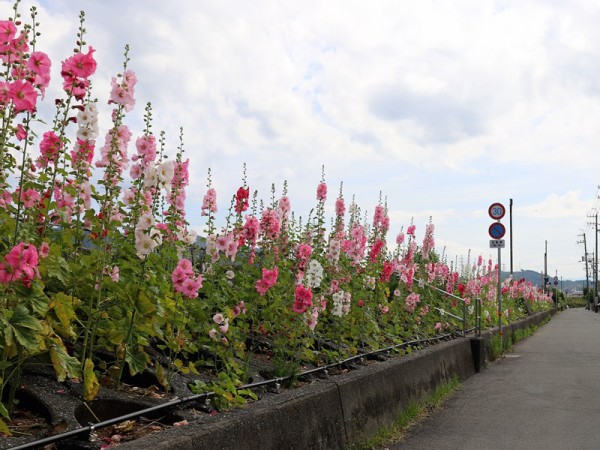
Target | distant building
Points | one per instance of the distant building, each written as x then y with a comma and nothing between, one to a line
575,292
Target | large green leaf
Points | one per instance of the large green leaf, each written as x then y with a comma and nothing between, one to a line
64,364
137,360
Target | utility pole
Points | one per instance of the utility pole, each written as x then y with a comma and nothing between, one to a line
587,273
546,268
595,260
510,203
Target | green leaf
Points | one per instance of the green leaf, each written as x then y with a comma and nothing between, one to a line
4,428
3,411
91,387
144,304
63,306
64,364
57,268
22,318
137,361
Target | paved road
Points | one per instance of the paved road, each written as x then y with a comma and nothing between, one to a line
545,394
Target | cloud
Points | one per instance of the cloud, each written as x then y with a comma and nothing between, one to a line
568,205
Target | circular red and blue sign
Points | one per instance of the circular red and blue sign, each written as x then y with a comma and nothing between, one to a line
497,211
497,230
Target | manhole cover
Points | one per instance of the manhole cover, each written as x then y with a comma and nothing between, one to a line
512,355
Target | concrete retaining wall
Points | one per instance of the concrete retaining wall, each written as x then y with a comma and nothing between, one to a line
333,413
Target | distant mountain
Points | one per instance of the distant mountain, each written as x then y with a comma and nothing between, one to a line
536,279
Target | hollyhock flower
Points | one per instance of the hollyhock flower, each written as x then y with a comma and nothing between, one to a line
311,319
340,207
241,199
213,334
303,299
191,286
123,93
29,197
438,325
268,280
218,318
21,132
322,192
146,148
50,147
383,309
376,250
80,65
284,206
8,30
270,224
44,250
225,327
230,275
341,303
165,172
303,253
23,95
314,274
209,202
20,264
386,273
411,301
411,230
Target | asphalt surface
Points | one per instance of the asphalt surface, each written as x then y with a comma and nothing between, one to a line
544,394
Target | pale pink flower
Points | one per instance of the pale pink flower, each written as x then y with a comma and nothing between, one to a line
322,192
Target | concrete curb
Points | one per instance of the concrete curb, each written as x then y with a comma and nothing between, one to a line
337,412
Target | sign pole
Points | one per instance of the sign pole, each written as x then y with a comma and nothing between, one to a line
499,298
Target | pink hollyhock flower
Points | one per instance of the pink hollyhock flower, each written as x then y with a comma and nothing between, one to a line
384,309
191,286
23,96
21,265
44,250
411,301
21,132
268,280
39,63
303,253
400,238
29,197
438,326
322,192
303,299
270,276
8,30
213,334
284,206
50,147
209,202
80,65
386,273
411,230
376,250
270,224
225,327
218,318
340,207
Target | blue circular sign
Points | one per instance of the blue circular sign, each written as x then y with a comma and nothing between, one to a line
497,230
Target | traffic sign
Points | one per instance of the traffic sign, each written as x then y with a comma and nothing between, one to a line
497,243
555,281
497,211
497,230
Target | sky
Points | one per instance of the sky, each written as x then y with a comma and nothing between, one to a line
439,108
